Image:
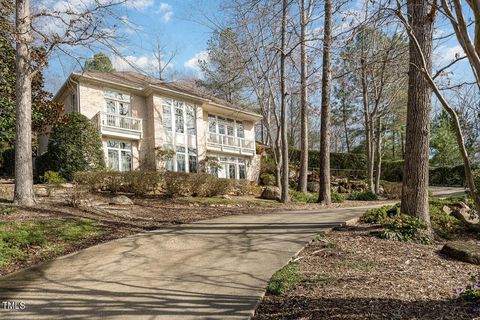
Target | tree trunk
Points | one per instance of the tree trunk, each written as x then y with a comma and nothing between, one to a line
303,177
415,180
345,126
378,155
283,121
367,120
324,193
402,144
23,194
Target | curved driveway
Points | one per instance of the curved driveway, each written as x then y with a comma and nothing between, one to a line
214,269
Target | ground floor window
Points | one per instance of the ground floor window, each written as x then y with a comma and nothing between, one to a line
119,155
184,160
230,167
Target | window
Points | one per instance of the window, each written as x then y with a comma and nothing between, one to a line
119,155
117,103
240,132
167,118
230,167
212,124
179,121
230,127
190,113
192,160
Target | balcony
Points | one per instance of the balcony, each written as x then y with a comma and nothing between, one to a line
221,142
115,125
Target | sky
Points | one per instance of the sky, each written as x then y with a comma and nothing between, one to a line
184,26
180,24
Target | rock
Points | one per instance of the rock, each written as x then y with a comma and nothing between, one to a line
462,251
447,209
313,186
226,196
381,190
466,216
271,193
342,189
66,185
121,200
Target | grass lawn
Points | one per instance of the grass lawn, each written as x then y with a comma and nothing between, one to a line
234,202
30,241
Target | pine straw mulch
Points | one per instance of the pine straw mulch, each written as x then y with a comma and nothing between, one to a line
351,274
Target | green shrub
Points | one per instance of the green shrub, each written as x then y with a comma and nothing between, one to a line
447,176
74,145
267,179
392,170
403,227
52,177
363,196
8,162
337,197
136,182
284,279
301,197
377,215
444,224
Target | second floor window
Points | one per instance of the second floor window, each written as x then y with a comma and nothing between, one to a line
117,103
178,116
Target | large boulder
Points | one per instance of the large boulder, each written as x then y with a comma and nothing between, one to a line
463,251
121,200
271,193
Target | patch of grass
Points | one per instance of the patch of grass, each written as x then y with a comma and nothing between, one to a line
7,210
337,197
284,279
363,196
47,236
301,197
377,215
319,237
320,280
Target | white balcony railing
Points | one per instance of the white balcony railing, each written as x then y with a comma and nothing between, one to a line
109,123
229,143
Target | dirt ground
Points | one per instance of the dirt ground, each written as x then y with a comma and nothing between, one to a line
351,274
147,213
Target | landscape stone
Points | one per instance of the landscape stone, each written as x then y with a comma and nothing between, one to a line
462,251
271,193
121,200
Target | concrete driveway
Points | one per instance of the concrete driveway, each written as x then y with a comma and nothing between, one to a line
215,269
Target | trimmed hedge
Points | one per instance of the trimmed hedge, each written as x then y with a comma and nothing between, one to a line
440,176
8,162
351,161
170,183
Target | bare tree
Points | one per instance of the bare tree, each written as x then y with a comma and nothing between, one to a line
84,24
415,181
423,65
283,112
325,192
163,56
305,15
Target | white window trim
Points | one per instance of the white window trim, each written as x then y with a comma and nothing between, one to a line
217,124
119,151
237,164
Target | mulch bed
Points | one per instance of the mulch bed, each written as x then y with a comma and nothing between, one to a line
351,274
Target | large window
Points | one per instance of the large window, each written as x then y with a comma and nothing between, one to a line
119,155
225,126
230,167
179,118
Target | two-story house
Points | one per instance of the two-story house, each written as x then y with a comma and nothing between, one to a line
139,115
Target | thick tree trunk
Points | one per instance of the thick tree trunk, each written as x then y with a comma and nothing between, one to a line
303,177
415,180
23,194
283,120
378,155
324,193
